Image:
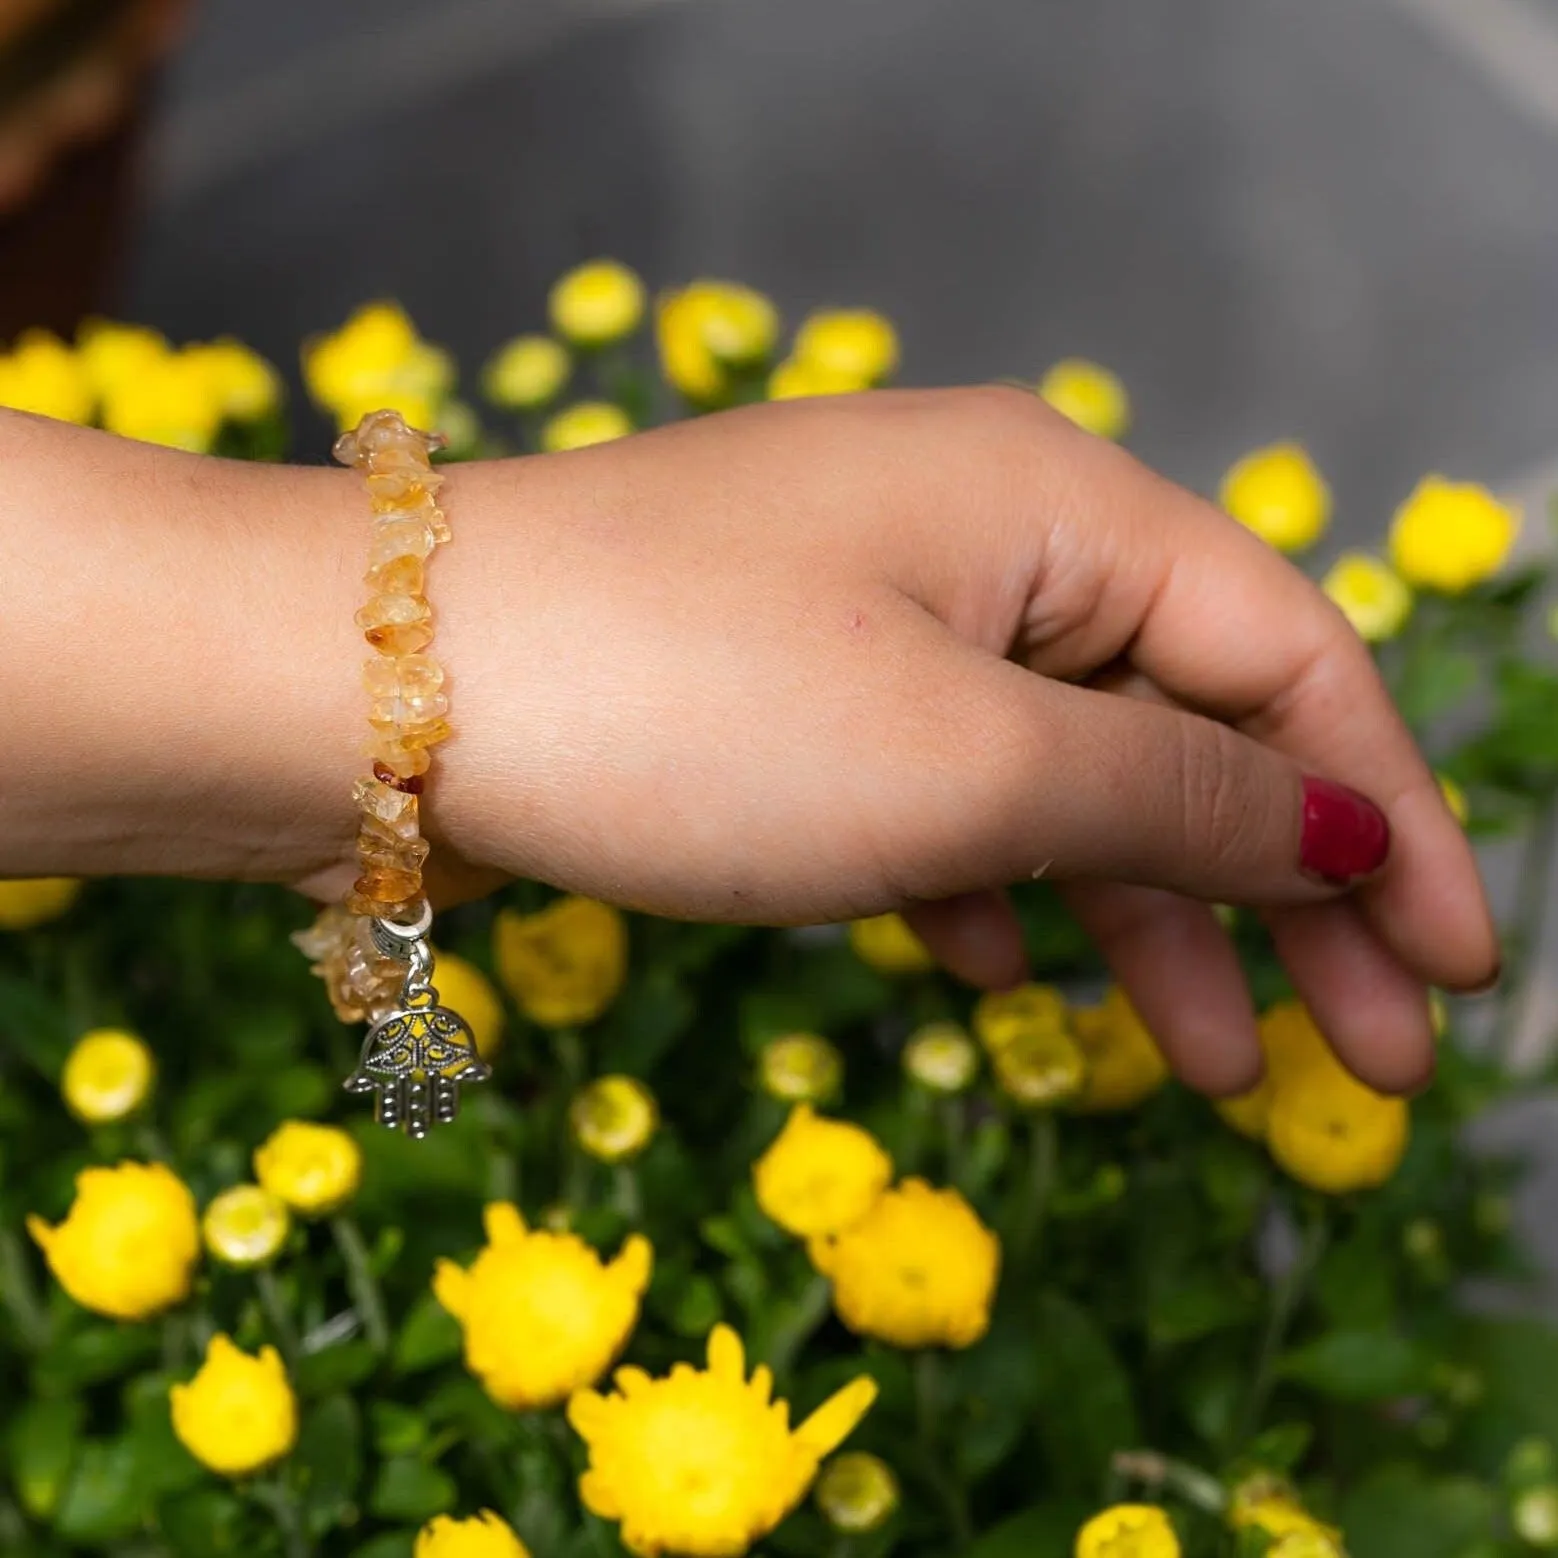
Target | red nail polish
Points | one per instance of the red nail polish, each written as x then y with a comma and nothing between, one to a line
1345,834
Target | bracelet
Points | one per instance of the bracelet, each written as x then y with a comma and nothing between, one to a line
374,954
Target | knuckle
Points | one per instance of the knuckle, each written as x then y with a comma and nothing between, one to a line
1225,817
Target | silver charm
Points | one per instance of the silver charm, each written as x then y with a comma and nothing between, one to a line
417,1054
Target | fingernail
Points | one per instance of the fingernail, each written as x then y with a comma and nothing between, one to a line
1345,834
1491,983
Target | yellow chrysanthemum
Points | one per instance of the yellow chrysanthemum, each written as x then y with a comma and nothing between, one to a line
1040,1067
111,354
800,1068
108,1074
128,1245
527,373
246,1226
855,344
564,965
708,328
1454,798
614,1118
246,387
857,1492
42,375
542,1314
1124,1064
238,1414
942,1057
1290,1043
583,424
704,1463
596,304
465,989
1371,594
1278,493
1451,535
1001,1015
887,944
1089,395
797,380
918,1270
36,900
1533,1513
1128,1531
1313,1544
172,401
1331,1132
315,1169
1269,1504
484,1535
819,1175
375,361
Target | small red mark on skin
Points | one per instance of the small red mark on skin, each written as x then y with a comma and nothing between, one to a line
857,621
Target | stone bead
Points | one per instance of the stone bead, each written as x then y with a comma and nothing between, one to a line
395,809
408,489
405,762
374,893
408,676
426,734
397,537
376,840
397,624
402,712
384,436
403,575
441,531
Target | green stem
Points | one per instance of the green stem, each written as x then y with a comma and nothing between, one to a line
954,1134
1037,1187
1286,1296
809,1311
1162,1471
1524,940
274,1303
18,1294
177,1353
936,1466
361,1282
627,1193
275,1495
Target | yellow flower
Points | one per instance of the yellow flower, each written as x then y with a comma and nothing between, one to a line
42,375
1290,1043
857,1492
542,1314
918,1270
36,900
528,373
1330,1131
704,1463
107,1075
464,988
1307,1544
1371,594
584,423
1454,798
375,361
819,1175
1533,1514
111,354
1128,1531
1040,1067
565,965
246,1226
614,1118
315,1169
1269,1504
1451,535
172,401
707,328
596,304
856,344
797,380
485,1535
1091,396
941,1056
1001,1015
1278,493
238,1414
889,946
1124,1063
244,385
801,1068
129,1244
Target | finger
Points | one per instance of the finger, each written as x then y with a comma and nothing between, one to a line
974,936
1182,975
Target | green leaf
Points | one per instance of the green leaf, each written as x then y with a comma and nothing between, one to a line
204,1523
996,1382
1433,682
1281,1447
334,1368
1199,1304
1401,1512
391,1544
328,1462
1047,1530
92,1354
42,1442
100,1501
411,1490
430,1335
1356,1365
162,1464
1085,1405
397,1430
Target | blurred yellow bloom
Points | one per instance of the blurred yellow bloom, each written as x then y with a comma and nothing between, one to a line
465,989
918,1270
855,344
1315,1544
1089,395
707,328
889,946
1371,594
246,1226
1451,535
1332,1133
1533,1513
245,386
238,1414
375,361
704,1463
315,1169
584,423
1278,493
1290,1043
1124,1064
108,1074
172,401
41,374
110,353
527,373
1269,1504
797,380
942,1057
1454,798
800,1068
820,1175
857,1492
614,1118
36,900
128,1246
542,1314
1001,1015
565,964
1128,1531
484,1535
1040,1067
596,304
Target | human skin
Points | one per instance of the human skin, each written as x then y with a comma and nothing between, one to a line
794,663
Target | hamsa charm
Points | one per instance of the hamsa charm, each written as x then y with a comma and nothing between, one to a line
417,1055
